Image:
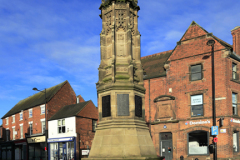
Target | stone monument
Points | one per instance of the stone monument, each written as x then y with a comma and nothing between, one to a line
122,132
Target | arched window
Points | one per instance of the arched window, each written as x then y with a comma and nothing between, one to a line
198,142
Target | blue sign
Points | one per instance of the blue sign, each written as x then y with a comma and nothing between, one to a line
214,130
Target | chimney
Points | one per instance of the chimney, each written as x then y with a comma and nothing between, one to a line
236,39
80,99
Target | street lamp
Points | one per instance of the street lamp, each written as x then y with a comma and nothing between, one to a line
46,134
211,42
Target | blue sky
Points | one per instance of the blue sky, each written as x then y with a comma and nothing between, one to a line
44,43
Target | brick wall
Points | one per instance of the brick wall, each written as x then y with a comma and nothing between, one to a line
192,49
84,131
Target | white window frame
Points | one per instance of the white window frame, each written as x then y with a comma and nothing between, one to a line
13,130
21,130
30,113
20,117
7,121
43,128
235,141
94,125
197,103
42,109
13,119
61,126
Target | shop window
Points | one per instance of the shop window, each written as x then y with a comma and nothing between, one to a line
234,103
21,116
94,125
13,119
198,143
235,141
43,127
234,71
197,105
42,109
30,112
7,121
196,72
61,126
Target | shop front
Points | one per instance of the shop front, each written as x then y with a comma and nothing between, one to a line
62,148
7,151
36,148
20,150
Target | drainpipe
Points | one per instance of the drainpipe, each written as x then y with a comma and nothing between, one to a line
149,109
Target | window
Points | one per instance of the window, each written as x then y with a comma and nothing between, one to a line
21,130
13,128
30,129
13,119
196,72
42,109
94,125
61,126
7,121
234,71
235,142
21,116
234,103
198,143
197,105
43,127
30,112
7,134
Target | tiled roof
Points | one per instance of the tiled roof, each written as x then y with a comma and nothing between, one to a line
34,100
69,110
153,65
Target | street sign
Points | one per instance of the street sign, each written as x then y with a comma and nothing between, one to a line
214,130
215,139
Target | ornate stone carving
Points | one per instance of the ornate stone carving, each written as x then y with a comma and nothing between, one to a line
120,20
108,17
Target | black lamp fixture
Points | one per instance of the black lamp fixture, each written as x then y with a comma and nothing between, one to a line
46,134
211,42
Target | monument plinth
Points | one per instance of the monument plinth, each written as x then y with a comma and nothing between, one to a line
122,132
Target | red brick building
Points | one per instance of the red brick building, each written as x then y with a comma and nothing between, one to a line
71,130
24,125
179,94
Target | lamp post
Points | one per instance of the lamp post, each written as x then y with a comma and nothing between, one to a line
211,42
46,134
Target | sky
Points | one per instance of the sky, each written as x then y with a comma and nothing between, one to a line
43,43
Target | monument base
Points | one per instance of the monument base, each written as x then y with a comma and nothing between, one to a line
122,139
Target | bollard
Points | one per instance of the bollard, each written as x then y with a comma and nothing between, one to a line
181,158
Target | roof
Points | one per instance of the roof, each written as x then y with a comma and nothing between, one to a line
35,100
69,110
153,65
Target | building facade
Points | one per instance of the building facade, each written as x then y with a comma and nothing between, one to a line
71,131
178,101
24,125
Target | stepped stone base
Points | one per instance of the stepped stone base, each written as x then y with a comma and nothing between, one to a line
122,139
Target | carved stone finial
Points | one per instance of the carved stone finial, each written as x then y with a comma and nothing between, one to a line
103,1
136,1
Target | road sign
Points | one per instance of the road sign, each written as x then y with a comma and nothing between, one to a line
214,130
215,139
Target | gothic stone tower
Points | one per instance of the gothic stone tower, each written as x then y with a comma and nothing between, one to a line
122,132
